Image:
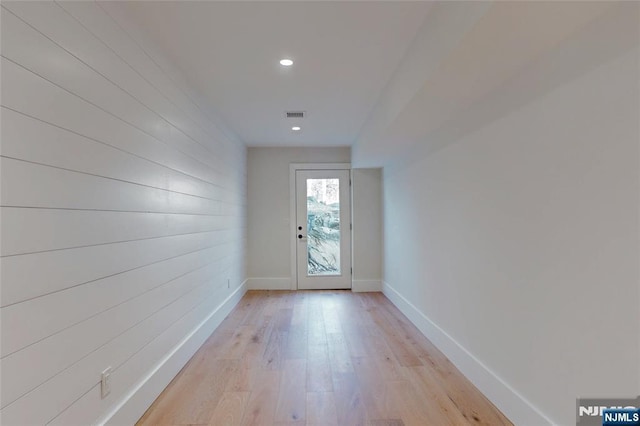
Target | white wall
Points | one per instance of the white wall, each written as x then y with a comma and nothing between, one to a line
123,217
269,245
513,242
367,229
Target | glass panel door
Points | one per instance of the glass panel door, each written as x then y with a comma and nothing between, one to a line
323,229
323,226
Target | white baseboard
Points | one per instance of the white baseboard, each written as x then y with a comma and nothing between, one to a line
142,396
269,283
511,403
366,285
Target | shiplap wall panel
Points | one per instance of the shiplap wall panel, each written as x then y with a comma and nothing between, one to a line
36,141
37,97
96,19
67,347
33,275
34,230
61,390
151,65
51,187
137,74
181,111
106,58
41,56
88,403
123,211
36,319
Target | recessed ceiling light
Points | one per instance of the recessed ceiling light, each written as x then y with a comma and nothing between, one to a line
286,62
296,128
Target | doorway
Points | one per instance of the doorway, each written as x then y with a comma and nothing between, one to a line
322,227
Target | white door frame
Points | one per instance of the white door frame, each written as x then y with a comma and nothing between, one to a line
292,207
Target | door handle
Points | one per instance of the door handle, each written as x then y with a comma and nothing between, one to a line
300,236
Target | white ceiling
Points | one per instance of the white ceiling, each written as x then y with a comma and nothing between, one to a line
345,54
473,62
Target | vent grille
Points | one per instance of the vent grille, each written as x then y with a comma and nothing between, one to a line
295,114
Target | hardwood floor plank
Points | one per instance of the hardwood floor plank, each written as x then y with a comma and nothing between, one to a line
296,346
244,377
230,409
349,405
273,355
283,319
292,399
316,332
232,347
434,397
321,409
389,367
356,344
239,315
339,353
261,407
257,311
300,311
193,398
413,413
473,406
471,403
398,344
386,422
319,377
331,319
271,302
376,397
319,358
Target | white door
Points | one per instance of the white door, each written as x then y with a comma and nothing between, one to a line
323,229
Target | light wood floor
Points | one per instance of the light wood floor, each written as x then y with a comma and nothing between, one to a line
319,358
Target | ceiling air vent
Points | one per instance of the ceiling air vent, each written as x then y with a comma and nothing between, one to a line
295,114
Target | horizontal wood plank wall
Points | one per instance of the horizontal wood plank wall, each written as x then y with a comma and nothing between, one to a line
123,211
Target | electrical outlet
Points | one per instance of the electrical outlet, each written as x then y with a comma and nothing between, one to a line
105,383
